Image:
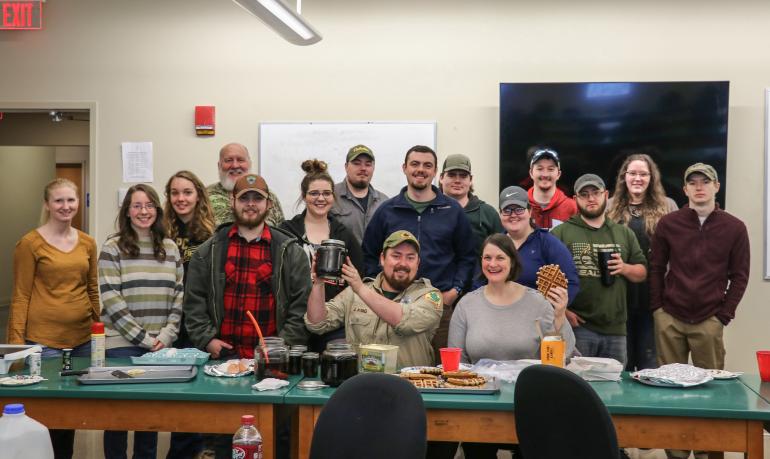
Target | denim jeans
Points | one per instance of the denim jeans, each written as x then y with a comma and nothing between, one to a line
593,344
63,440
116,442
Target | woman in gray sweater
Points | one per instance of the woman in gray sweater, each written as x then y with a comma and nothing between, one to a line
497,321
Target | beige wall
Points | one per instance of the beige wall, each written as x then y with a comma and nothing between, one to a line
146,64
24,172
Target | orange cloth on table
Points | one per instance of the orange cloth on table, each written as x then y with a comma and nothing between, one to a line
55,294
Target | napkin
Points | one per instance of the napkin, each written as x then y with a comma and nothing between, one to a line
270,384
596,368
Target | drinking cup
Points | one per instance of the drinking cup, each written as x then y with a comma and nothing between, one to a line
450,358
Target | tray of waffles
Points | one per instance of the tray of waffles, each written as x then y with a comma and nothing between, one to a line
463,381
549,276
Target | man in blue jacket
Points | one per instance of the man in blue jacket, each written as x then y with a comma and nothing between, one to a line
440,225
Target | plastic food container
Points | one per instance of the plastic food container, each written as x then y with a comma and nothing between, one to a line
377,358
11,353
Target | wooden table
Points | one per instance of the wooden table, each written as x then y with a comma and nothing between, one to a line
718,416
206,404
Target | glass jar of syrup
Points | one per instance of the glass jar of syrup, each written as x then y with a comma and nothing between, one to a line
338,363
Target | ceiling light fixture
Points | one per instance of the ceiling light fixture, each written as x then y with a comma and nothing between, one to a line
282,19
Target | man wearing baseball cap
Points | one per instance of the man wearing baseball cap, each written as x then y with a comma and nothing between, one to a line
456,181
550,206
598,313
394,308
235,162
357,200
699,269
246,266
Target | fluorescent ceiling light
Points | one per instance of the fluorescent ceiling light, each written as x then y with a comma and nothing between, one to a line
284,20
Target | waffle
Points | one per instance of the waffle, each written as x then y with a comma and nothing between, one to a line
466,382
430,371
549,276
418,376
427,383
462,374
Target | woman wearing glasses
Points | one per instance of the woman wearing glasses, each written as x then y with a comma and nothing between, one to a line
536,246
140,280
639,202
55,293
315,224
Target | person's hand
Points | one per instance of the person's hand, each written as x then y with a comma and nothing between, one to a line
574,319
558,298
216,346
351,276
616,265
157,346
313,277
449,297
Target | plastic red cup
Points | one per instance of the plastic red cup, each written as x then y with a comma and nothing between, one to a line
450,358
763,360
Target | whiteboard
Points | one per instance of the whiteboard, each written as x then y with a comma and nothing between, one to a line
283,147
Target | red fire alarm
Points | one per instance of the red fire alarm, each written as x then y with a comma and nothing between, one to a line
204,119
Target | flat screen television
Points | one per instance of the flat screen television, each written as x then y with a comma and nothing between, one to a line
594,126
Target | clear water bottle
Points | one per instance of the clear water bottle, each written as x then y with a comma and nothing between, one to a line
21,437
247,442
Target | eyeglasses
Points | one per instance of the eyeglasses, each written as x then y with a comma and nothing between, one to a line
638,174
590,194
315,194
508,211
138,207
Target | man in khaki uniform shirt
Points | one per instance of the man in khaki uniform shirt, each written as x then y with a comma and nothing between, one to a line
394,308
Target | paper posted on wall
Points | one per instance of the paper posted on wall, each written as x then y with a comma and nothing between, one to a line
137,161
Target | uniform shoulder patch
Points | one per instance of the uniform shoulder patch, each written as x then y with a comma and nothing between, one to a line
435,299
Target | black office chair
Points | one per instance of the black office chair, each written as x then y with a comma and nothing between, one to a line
559,415
371,416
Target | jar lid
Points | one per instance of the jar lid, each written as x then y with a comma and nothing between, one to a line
310,355
335,242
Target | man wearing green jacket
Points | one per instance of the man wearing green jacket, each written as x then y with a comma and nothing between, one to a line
457,182
246,266
598,313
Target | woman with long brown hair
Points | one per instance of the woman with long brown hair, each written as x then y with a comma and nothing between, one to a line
55,292
140,279
639,202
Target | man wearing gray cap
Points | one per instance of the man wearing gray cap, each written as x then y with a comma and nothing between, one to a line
357,200
456,181
699,269
598,313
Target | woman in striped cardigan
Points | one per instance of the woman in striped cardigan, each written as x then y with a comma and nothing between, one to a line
140,282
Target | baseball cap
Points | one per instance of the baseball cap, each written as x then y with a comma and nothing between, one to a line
357,151
589,179
251,182
701,168
457,163
397,237
545,153
514,195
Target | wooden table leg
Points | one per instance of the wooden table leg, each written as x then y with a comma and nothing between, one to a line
755,440
305,424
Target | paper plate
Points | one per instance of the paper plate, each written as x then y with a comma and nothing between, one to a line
20,380
220,370
724,374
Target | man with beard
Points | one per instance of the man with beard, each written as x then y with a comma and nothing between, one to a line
234,163
246,266
394,308
598,313
357,200
439,223
549,205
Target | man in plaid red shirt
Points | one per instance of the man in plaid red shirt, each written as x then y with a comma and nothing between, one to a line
246,266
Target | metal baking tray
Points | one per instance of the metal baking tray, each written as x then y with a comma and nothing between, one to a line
152,374
492,386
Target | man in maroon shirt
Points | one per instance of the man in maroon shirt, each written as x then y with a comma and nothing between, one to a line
706,253
549,205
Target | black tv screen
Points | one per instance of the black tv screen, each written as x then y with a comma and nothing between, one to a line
594,126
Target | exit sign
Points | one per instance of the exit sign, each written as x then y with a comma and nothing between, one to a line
15,15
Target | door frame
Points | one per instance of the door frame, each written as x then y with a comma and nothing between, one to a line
91,176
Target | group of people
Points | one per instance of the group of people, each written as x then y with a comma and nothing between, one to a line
429,267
